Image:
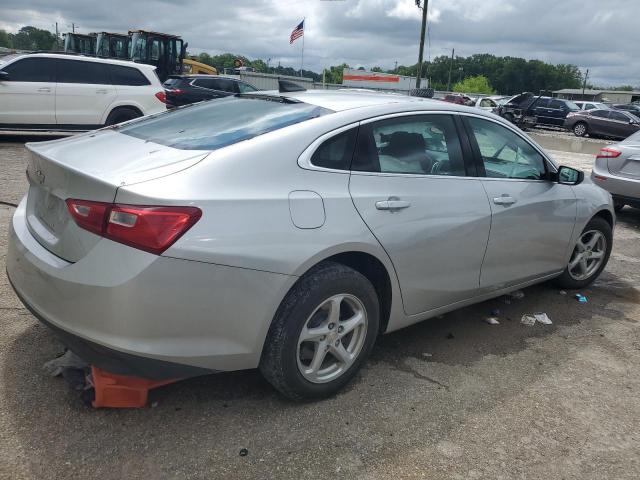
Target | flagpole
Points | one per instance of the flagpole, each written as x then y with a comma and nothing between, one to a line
302,56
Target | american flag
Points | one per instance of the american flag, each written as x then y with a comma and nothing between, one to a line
297,32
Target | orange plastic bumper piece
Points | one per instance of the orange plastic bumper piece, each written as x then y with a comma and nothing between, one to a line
121,391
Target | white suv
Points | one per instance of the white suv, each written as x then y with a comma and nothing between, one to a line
67,92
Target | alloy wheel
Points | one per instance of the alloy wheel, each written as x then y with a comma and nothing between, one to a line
588,255
331,339
580,129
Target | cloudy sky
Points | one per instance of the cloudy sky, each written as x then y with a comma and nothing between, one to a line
601,35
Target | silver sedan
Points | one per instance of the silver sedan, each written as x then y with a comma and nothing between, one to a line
286,231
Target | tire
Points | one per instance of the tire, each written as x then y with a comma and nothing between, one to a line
422,92
568,279
580,129
282,363
122,114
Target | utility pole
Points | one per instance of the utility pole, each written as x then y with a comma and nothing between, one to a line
584,84
453,50
73,27
57,38
395,68
425,8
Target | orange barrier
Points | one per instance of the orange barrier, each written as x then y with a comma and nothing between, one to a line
121,391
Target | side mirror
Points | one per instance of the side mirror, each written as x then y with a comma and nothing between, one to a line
4,75
570,176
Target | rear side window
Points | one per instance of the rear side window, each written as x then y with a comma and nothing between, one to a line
420,144
557,104
542,102
336,152
78,71
213,125
35,69
121,75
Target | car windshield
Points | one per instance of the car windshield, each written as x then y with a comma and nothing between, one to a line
216,124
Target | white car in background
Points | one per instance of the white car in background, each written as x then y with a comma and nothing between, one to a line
51,91
592,105
486,103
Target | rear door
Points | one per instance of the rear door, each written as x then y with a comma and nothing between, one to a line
558,111
408,182
84,92
599,122
621,124
541,110
27,96
532,217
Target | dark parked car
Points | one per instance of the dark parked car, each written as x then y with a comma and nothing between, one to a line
602,122
186,89
551,111
633,108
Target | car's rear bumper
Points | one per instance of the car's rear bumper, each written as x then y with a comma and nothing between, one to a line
135,313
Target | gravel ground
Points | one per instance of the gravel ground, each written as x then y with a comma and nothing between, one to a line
448,398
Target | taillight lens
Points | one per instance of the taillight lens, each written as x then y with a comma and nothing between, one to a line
608,153
149,228
162,96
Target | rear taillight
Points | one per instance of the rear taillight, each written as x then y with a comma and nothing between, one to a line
162,96
149,228
608,153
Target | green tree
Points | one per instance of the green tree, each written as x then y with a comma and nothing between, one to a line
477,84
32,38
5,39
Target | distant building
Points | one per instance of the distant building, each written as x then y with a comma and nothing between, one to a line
611,96
379,80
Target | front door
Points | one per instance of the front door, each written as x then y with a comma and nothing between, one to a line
532,217
408,183
84,92
27,94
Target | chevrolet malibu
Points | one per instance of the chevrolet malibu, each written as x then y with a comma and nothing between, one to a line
286,231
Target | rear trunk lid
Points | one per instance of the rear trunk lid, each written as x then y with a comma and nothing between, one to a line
89,167
628,163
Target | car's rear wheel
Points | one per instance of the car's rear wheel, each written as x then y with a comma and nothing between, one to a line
580,129
322,333
122,114
590,255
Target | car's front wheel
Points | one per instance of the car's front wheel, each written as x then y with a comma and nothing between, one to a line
590,255
322,333
580,129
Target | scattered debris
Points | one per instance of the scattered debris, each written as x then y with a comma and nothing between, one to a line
450,336
154,404
543,318
244,452
67,360
518,294
427,355
530,319
581,298
562,292
492,321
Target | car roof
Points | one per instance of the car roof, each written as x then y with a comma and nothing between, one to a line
339,100
67,56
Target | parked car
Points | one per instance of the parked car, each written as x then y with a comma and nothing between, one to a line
617,170
486,103
66,92
605,123
551,111
516,110
286,231
582,105
186,89
632,108
459,99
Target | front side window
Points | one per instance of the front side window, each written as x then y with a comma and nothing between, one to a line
35,69
336,152
420,144
213,125
506,154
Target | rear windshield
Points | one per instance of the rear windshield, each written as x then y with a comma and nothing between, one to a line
218,123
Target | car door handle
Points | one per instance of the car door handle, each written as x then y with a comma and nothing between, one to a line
393,203
102,90
44,89
504,199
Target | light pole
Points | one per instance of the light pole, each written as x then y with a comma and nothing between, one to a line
425,8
